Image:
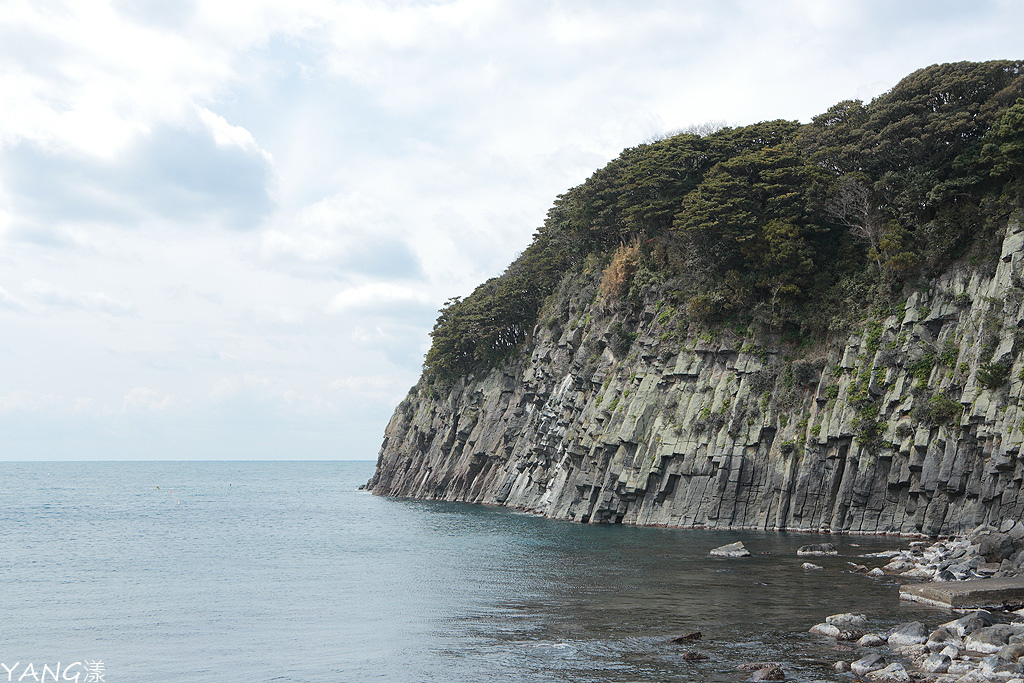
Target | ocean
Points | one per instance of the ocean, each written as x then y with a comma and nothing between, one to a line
191,572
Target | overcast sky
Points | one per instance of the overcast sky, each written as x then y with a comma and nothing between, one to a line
226,227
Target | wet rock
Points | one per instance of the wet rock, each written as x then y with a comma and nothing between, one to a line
871,640
988,639
858,568
817,549
694,656
867,664
919,573
754,666
846,620
959,668
827,630
970,622
898,566
910,633
736,549
942,637
807,566
769,673
841,666
687,637
876,572
951,651
1011,652
936,663
894,673
850,635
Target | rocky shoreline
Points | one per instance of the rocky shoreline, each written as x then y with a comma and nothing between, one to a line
978,646
981,645
985,552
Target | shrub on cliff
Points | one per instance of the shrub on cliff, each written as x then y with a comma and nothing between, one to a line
792,226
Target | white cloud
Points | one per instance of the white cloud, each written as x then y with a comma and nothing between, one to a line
141,398
48,296
375,296
383,388
230,203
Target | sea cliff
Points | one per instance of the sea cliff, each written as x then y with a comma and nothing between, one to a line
705,432
785,326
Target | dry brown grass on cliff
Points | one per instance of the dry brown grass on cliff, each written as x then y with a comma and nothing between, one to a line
617,276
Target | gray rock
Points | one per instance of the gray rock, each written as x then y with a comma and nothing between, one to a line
1011,652
876,572
827,630
942,637
736,549
988,639
951,651
867,664
960,668
846,620
970,622
769,673
910,633
936,663
841,666
807,566
871,640
894,673
997,547
493,438
817,549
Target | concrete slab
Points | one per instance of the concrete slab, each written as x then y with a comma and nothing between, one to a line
980,593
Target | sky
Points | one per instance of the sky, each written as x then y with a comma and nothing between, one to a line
226,227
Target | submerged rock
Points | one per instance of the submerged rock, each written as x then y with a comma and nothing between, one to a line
687,637
807,566
769,673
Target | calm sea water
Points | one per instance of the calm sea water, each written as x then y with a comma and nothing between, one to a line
284,571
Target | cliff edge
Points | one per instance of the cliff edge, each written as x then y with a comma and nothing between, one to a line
620,397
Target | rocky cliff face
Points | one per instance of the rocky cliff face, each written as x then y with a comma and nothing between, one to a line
912,425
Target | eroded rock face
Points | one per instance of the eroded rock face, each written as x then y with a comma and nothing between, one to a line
690,430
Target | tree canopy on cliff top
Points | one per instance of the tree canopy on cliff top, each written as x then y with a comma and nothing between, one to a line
770,221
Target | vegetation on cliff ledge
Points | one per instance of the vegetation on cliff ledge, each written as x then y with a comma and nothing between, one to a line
793,228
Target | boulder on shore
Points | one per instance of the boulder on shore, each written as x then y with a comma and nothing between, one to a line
736,549
910,633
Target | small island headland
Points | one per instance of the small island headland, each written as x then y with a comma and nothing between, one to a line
786,326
